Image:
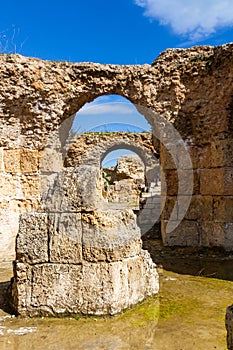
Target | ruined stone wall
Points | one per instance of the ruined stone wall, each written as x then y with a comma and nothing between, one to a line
19,192
137,185
205,122
191,89
124,182
76,255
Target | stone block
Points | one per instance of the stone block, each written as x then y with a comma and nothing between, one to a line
73,190
216,181
90,288
28,205
89,187
184,235
9,186
56,290
21,161
200,208
110,236
12,161
204,156
228,244
29,161
32,238
187,183
9,225
50,161
212,234
1,160
22,287
185,158
65,238
200,156
228,182
229,327
222,153
171,183
223,208
166,159
211,181
30,186
169,206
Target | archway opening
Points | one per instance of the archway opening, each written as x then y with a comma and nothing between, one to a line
111,133
109,113
128,181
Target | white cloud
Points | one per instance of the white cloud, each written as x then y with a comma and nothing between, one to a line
195,19
107,108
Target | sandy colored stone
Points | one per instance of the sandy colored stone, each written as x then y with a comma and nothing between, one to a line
213,234
1,160
9,225
130,166
9,186
221,153
65,238
229,327
200,156
29,161
12,161
223,208
185,234
21,291
186,183
228,182
190,88
30,186
21,161
167,159
92,148
90,288
228,244
50,161
216,181
110,236
200,208
32,239
72,190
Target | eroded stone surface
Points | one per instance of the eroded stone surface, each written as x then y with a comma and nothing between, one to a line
191,89
71,263
229,327
88,288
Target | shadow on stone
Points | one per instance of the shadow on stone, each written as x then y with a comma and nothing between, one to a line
4,297
203,262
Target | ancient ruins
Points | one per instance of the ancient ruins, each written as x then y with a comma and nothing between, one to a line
186,95
80,252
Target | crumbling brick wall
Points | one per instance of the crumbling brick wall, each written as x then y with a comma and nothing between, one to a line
191,89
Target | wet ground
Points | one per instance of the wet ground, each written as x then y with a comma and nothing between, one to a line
188,314
204,262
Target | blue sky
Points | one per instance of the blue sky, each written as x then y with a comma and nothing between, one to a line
122,31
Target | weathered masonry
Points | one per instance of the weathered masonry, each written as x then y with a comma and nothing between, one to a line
74,253
190,89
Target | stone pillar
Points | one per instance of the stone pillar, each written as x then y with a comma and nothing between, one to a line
74,258
229,327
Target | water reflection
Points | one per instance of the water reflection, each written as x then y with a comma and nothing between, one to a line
188,314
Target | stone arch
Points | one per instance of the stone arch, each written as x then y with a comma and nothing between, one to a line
192,89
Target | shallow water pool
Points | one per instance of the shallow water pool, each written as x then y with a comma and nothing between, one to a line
188,314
